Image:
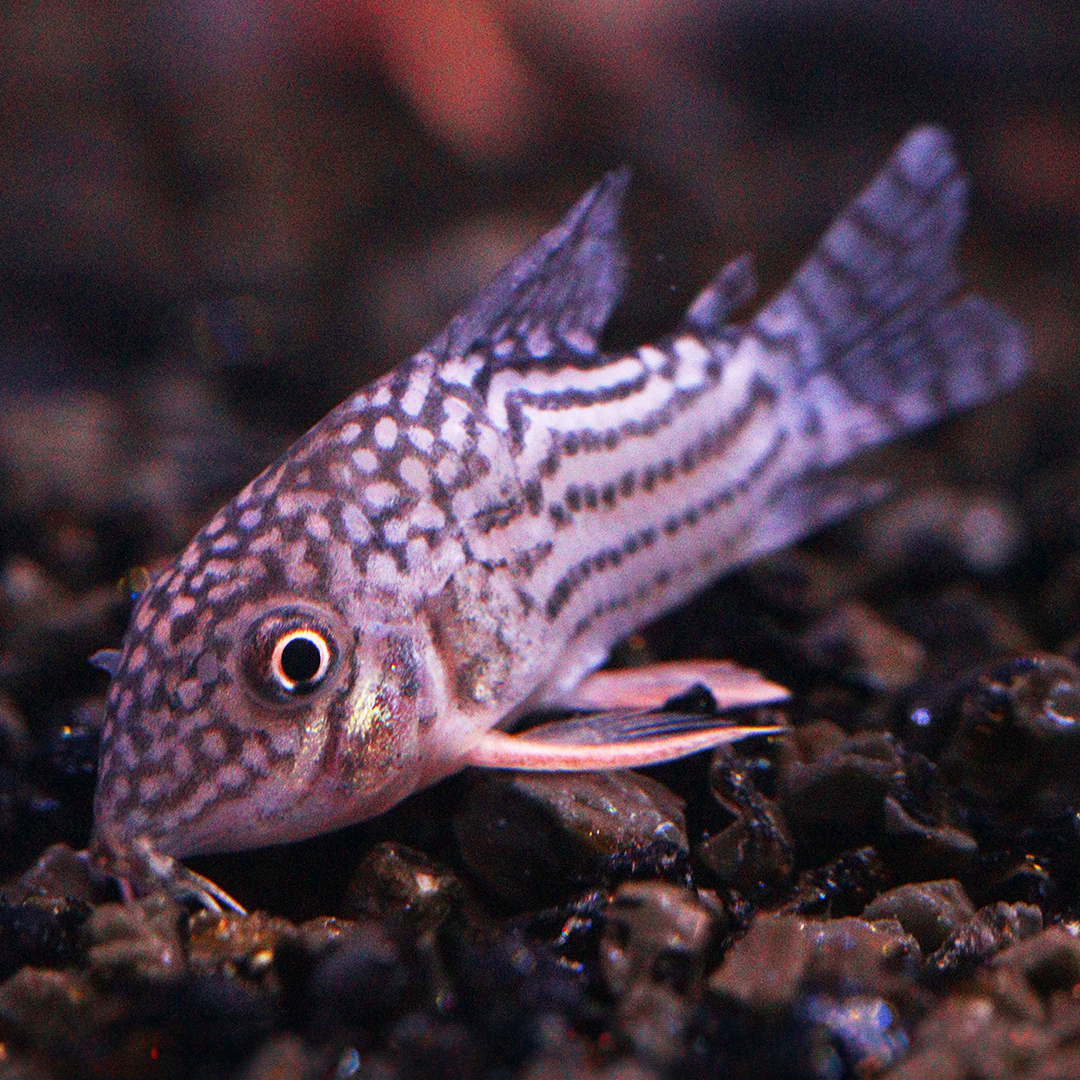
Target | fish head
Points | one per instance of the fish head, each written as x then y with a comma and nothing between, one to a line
263,694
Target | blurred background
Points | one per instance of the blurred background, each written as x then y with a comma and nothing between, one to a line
216,219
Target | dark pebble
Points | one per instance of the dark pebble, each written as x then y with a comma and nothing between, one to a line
864,648
531,839
985,934
931,911
755,852
1014,754
396,881
361,981
842,887
833,788
768,969
40,932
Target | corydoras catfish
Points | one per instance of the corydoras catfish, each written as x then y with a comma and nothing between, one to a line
465,539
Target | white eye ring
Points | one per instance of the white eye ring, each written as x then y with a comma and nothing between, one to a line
300,660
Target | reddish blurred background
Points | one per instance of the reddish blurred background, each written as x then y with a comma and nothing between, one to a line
218,218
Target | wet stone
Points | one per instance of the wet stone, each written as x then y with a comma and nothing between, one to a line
653,1018
755,850
424,1046
281,1057
396,880
833,794
914,847
40,932
966,1037
655,933
982,531
258,950
653,955
781,955
930,911
854,640
362,980
842,887
1048,961
59,1013
989,930
1014,755
532,838
59,872
960,628
140,940
868,1030
1025,880
506,987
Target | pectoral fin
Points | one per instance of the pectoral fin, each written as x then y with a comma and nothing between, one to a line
107,660
644,688
611,740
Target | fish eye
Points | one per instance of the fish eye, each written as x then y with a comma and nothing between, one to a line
289,654
300,660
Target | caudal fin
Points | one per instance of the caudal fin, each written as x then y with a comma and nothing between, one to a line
881,342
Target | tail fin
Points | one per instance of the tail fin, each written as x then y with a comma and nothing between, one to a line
881,342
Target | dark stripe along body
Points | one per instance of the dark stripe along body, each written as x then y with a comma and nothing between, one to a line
469,535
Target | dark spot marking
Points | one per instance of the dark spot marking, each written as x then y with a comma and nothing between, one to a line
534,496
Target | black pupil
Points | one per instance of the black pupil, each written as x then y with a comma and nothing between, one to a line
300,660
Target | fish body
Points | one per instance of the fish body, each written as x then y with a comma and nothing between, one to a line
466,538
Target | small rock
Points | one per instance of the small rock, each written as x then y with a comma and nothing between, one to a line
966,1038
984,532
1015,749
506,987
867,1028
843,887
755,850
865,648
781,954
1049,961
40,932
915,847
394,879
931,911
362,981
653,1017
430,1046
58,1012
765,970
655,933
960,628
59,872
990,930
835,800
282,1057
532,838
140,940
238,945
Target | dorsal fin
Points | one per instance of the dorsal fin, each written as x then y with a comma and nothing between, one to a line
735,285
555,297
